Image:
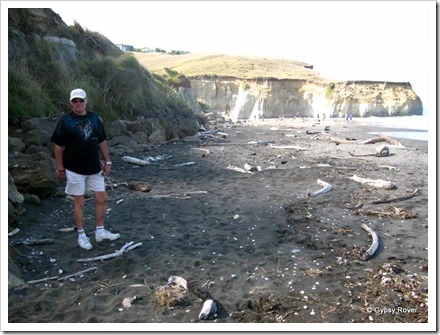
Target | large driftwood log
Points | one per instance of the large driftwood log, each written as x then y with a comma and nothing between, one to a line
376,183
374,244
326,187
126,248
383,138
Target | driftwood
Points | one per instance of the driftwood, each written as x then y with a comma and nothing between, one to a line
126,248
326,187
42,280
387,167
79,273
15,231
381,151
33,242
383,138
286,147
235,168
236,143
376,183
67,230
133,160
202,149
184,164
374,244
186,195
392,213
62,278
396,199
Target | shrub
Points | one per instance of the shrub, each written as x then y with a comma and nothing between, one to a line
330,90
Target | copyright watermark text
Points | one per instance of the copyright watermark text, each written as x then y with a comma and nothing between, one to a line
389,310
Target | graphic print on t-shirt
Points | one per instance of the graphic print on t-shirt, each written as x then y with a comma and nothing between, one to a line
85,129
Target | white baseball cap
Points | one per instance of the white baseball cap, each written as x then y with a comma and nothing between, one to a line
78,93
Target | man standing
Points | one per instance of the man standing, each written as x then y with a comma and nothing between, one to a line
79,138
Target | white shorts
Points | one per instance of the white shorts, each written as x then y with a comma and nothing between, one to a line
77,184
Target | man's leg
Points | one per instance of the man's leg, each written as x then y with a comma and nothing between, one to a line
101,207
78,211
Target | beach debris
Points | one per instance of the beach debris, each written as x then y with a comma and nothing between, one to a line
174,293
389,167
67,229
394,289
141,187
392,213
396,199
235,168
202,149
286,147
326,187
381,151
119,201
13,232
126,248
383,138
126,303
374,244
337,141
259,142
33,241
133,160
184,164
76,274
209,309
376,183
249,167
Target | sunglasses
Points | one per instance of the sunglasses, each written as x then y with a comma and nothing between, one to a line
77,100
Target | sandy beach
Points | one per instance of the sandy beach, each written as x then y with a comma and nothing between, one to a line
239,215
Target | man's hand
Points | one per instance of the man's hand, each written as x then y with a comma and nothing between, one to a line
107,169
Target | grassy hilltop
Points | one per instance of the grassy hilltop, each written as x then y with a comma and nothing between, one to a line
219,65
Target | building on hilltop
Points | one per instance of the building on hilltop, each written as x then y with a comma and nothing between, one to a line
125,47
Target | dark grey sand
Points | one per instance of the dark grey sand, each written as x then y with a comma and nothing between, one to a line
267,252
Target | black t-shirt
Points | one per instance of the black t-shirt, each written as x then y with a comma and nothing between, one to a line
80,136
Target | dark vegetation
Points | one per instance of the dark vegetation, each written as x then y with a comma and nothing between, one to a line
40,75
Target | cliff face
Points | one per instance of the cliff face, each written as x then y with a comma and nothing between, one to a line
271,98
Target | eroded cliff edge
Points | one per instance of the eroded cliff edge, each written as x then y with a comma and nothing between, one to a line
227,84
253,99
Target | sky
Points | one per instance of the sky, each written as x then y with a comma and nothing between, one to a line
346,40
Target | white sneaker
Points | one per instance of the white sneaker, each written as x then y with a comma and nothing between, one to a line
102,234
84,242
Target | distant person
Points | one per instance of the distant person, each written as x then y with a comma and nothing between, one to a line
79,138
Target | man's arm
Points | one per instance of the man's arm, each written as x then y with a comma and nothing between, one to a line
59,151
103,149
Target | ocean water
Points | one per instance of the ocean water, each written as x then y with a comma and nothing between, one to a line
407,127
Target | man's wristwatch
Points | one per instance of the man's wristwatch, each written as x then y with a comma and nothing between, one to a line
108,163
